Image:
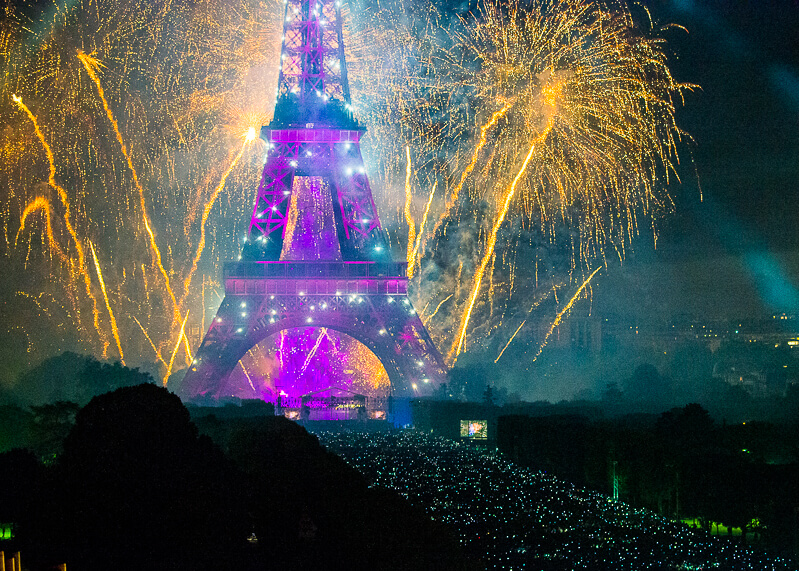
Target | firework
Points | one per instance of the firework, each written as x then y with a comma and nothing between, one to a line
111,317
133,97
564,112
560,314
491,244
541,128
177,346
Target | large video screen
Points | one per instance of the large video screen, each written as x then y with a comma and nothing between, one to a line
475,429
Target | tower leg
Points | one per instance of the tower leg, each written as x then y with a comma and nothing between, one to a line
270,213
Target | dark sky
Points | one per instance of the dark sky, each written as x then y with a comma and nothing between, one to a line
736,252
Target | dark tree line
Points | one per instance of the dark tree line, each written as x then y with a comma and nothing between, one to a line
680,464
40,410
70,377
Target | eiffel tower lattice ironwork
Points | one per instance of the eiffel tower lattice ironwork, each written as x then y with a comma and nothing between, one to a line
316,254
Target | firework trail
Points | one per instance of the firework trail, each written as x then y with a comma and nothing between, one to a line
415,255
114,329
408,217
280,349
562,312
187,347
492,240
62,194
175,350
247,374
453,198
512,337
92,65
147,336
537,302
312,352
249,137
43,205
443,301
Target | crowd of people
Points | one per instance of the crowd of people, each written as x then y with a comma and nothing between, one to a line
512,517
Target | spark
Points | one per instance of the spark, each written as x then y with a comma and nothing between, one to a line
562,312
62,194
92,64
35,301
175,350
157,351
591,68
408,217
114,329
492,240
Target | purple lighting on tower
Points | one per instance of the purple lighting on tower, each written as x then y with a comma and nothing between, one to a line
316,275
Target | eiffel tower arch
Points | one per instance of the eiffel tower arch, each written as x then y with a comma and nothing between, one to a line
316,254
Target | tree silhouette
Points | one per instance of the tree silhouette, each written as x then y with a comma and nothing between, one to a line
51,425
74,378
21,475
15,425
136,484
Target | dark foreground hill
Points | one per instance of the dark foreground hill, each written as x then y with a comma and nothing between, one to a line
137,487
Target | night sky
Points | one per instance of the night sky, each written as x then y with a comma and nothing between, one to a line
732,249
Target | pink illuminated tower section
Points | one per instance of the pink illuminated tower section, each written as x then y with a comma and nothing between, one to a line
313,133
315,255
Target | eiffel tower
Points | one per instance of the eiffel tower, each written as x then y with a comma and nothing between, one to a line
316,254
